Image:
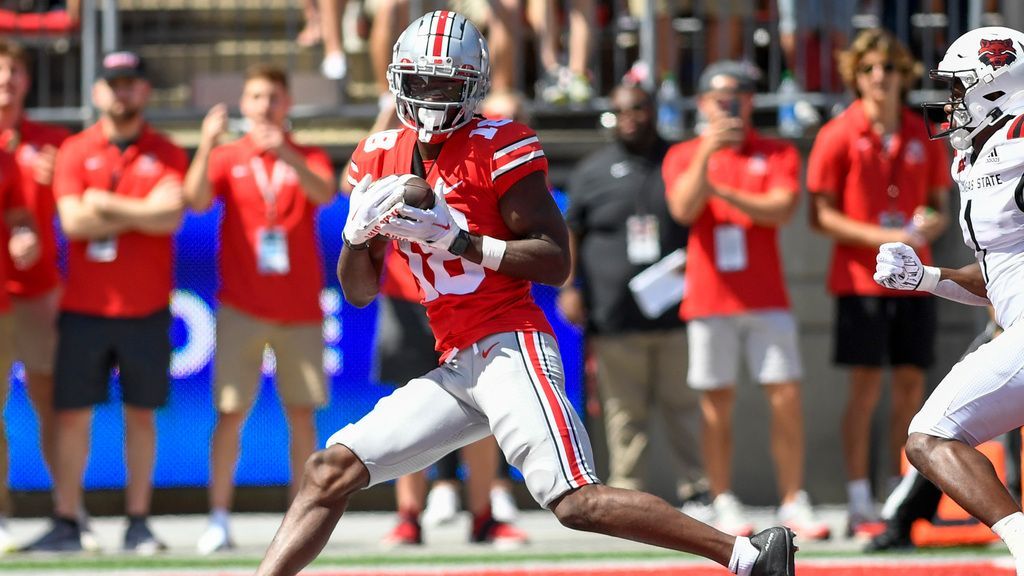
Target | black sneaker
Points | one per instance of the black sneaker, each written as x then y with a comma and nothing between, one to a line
64,536
890,541
777,552
139,538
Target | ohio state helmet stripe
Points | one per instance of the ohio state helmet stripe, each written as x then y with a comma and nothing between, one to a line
439,36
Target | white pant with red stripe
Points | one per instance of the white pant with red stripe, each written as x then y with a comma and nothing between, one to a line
510,385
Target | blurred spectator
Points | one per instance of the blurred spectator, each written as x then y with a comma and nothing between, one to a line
810,31
334,65
874,178
390,17
34,291
311,33
563,84
619,225
503,21
724,21
666,49
271,276
735,188
118,190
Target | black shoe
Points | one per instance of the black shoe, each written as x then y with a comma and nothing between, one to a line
777,552
139,538
890,540
64,536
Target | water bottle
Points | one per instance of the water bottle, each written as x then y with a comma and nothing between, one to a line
788,124
670,111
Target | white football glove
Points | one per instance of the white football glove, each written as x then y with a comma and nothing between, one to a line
434,227
897,266
371,204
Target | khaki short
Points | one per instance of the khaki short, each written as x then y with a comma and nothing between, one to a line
241,340
35,323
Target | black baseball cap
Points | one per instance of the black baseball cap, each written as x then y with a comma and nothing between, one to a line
744,73
122,64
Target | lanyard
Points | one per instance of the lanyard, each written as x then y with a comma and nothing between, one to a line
892,155
269,187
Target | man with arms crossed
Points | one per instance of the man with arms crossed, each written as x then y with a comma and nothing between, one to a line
983,395
494,228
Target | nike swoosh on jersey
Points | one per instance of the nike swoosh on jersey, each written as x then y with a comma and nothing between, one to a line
486,352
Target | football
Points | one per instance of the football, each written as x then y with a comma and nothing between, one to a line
418,194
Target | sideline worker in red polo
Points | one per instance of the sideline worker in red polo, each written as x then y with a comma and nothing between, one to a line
874,177
118,190
271,276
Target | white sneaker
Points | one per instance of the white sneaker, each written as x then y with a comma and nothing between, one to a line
799,517
699,509
730,516
442,505
214,539
334,67
7,544
503,505
87,537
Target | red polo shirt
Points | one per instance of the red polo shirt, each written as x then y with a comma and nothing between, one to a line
758,166
287,298
138,281
43,276
10,197
850,162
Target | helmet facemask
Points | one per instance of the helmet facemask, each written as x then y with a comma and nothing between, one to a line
959,125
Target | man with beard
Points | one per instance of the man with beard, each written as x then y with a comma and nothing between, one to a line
271,272
118,186
619,225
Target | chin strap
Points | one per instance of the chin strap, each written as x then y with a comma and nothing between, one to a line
963,138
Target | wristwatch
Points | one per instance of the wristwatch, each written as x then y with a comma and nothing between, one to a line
352,246
460,243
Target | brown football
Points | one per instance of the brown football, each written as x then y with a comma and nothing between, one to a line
418,193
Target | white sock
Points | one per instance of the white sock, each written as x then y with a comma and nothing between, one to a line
858,493
1011,530
743,557
219,517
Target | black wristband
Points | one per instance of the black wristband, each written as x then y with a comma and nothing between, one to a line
460,244
356,247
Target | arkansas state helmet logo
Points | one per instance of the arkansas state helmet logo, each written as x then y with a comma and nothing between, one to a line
997,53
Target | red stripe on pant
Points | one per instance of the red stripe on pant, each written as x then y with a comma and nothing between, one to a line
533,351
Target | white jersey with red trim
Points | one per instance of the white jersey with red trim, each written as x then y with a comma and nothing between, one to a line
992,215
476,166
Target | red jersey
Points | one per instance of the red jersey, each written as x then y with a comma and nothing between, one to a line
478,164
27,140
10,197
137,281
733,265
874,182
235,176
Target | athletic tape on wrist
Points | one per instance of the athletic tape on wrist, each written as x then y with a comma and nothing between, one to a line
929,279
493,251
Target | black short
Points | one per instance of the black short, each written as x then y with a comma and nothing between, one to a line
885,330
405,343
89,347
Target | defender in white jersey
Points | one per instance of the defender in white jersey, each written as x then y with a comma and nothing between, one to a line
983,395
494,228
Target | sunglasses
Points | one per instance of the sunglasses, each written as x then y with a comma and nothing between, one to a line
887,67
638,107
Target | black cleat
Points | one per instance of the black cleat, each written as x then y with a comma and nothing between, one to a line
64,536
777,552
890,541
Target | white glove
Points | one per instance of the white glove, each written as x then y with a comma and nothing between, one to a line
434,227
897,266
371,204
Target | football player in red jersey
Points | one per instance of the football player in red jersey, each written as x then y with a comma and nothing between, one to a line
493,230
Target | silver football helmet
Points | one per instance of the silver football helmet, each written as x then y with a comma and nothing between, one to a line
985,71
439,73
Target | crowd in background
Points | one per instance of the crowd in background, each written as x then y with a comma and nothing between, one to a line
119,189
